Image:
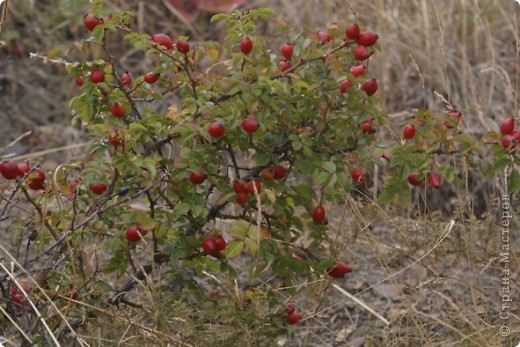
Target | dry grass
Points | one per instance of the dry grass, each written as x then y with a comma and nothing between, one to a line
436,285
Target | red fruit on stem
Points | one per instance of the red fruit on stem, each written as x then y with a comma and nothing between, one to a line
344,86
339,270
409,131
183,46
151,77
216,129
357,70
239,186
114,139
361,53
453,118
279,172
117,110
412,179
220,243
267,173
98,188
23,168
358,175
249,124
508,126
133,233
197,177
293,317
246,46
508,141
367,127
367,38
163,40
287,51
254,187
209,245
37,175
434,180
36,185
90,21
370,86
319,215
126,78
9,169
97,76
352,31
241,198
324,36
285,65
79,81
516,135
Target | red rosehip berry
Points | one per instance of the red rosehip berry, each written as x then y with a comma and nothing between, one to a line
339,270
508,126
287,51
216,129
90,21
344,86
409,131
9,169
267,173
285,65
324,36
279,172
413,180
358,175
23,168
126,78
163,40
370,86
357,70
98,188
151,77
246,46
508,141
293,317
249,124
367,38
117,110
434,180
241,198
183,46
352,31
197,177
239,186
209,245
367,127
133,234
362,53
79,81
319,215
97,76
254,187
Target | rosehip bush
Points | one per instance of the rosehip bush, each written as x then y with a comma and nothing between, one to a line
212,174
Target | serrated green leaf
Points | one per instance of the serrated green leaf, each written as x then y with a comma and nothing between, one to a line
239,229
234,248
513,185
329,166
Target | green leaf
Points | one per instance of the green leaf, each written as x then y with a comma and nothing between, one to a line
329,166
514,182
500,164
99,33
182,208
239,229
219,16
234,248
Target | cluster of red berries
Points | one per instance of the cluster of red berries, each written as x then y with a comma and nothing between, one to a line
213,245
11,171
511,137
